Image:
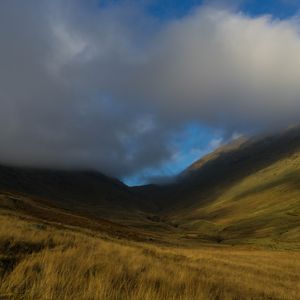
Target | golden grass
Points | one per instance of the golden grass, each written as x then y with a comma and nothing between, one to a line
46,262
263,207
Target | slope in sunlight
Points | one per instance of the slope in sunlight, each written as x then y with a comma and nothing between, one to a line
245,192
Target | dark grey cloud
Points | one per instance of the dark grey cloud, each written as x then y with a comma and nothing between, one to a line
83,86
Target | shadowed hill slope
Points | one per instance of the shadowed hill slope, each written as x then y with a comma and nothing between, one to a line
78,191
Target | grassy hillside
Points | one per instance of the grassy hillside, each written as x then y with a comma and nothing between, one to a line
40,260
244,192
79,191
249,193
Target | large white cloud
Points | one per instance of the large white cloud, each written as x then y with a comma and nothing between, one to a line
104,88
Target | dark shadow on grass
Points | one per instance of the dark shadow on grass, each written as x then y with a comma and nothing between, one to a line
292,179
13,251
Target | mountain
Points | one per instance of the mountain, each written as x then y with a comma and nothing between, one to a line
245,192
88,193
83,235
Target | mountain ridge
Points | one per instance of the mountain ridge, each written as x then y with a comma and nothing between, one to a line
229,196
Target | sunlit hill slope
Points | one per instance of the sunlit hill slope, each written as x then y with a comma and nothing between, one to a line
248,191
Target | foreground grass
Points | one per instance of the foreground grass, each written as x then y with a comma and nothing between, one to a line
45,262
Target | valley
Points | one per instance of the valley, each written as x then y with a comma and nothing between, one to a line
227,228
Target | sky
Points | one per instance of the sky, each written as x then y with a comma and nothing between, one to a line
139,90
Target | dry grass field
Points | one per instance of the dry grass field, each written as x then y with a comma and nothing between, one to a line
52,261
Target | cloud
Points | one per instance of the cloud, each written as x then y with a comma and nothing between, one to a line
105,87
215,143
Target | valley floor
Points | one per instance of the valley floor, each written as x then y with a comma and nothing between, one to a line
40,260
